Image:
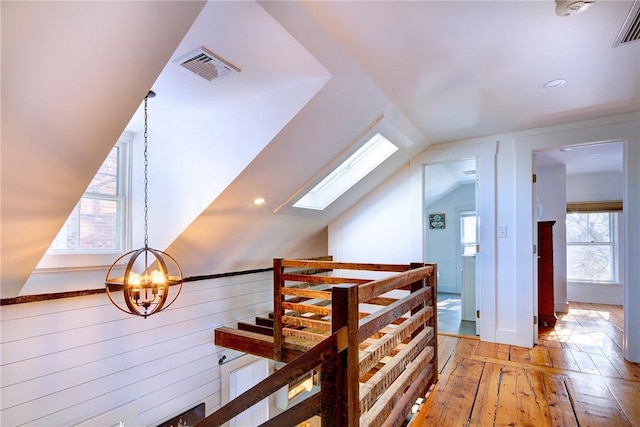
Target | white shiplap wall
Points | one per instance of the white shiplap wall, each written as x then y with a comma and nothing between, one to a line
67,361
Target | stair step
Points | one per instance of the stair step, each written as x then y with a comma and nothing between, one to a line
258,344
263,321
264,330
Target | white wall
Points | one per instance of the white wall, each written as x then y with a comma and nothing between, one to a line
551,192
442,246
507,297
378,233
69,360
363,233
595,187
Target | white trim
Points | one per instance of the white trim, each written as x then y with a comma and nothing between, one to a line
595,132
70,260
631,215
485,152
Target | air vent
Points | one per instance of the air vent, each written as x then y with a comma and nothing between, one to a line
630,31
206,64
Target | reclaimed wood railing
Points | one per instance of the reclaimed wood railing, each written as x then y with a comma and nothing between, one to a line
374,342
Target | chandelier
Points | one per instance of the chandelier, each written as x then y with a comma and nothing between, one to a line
148,273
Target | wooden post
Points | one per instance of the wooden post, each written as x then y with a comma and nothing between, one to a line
433,321
340,380
278,311
416,286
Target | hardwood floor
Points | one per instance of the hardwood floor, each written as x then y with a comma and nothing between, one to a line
575,376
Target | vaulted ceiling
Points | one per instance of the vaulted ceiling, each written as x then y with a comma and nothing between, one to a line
313,76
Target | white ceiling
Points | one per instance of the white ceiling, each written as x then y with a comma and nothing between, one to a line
466,69
314,76
456,69
592,158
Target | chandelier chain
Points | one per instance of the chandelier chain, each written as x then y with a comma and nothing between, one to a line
148,273
146,177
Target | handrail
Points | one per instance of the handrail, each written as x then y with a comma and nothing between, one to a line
326,351
378,287
334,265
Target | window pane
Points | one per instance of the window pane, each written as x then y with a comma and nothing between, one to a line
99,224
375,151
599,227
576,227
589,262
106,180
468,233
67,238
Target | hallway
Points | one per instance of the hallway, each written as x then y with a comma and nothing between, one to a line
575,376
449,316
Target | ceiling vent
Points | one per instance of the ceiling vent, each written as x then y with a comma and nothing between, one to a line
630,31
206,64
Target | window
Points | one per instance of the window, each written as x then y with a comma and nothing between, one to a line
97,223
468,232
591,246
345,176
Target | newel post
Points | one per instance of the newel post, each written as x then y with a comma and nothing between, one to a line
340,380
416,286
278,311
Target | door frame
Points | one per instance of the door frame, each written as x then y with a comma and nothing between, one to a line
525,147
485,153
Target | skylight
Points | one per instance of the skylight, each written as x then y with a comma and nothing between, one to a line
345,176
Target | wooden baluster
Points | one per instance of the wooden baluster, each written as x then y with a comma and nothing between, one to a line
278,311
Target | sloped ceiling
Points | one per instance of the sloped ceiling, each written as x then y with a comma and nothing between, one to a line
71,80
314,76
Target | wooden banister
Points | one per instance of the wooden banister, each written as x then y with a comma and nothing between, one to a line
334,265
391,351
324,352
378,287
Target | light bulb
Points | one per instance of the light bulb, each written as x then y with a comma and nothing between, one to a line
157,277
134,279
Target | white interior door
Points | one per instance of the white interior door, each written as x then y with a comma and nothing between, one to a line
238,376
535,216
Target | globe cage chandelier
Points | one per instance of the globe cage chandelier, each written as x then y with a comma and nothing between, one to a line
148,273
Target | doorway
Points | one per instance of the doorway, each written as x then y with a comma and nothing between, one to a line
581,188
239,375
451,241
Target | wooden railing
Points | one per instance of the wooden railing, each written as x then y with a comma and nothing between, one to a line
376,351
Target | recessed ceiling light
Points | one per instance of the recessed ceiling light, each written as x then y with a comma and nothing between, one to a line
259,201
554,83
564,150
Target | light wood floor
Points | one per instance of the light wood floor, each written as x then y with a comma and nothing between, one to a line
575,376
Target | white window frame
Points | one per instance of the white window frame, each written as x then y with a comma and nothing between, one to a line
473,245
383,126
74,259
613,244
369,156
